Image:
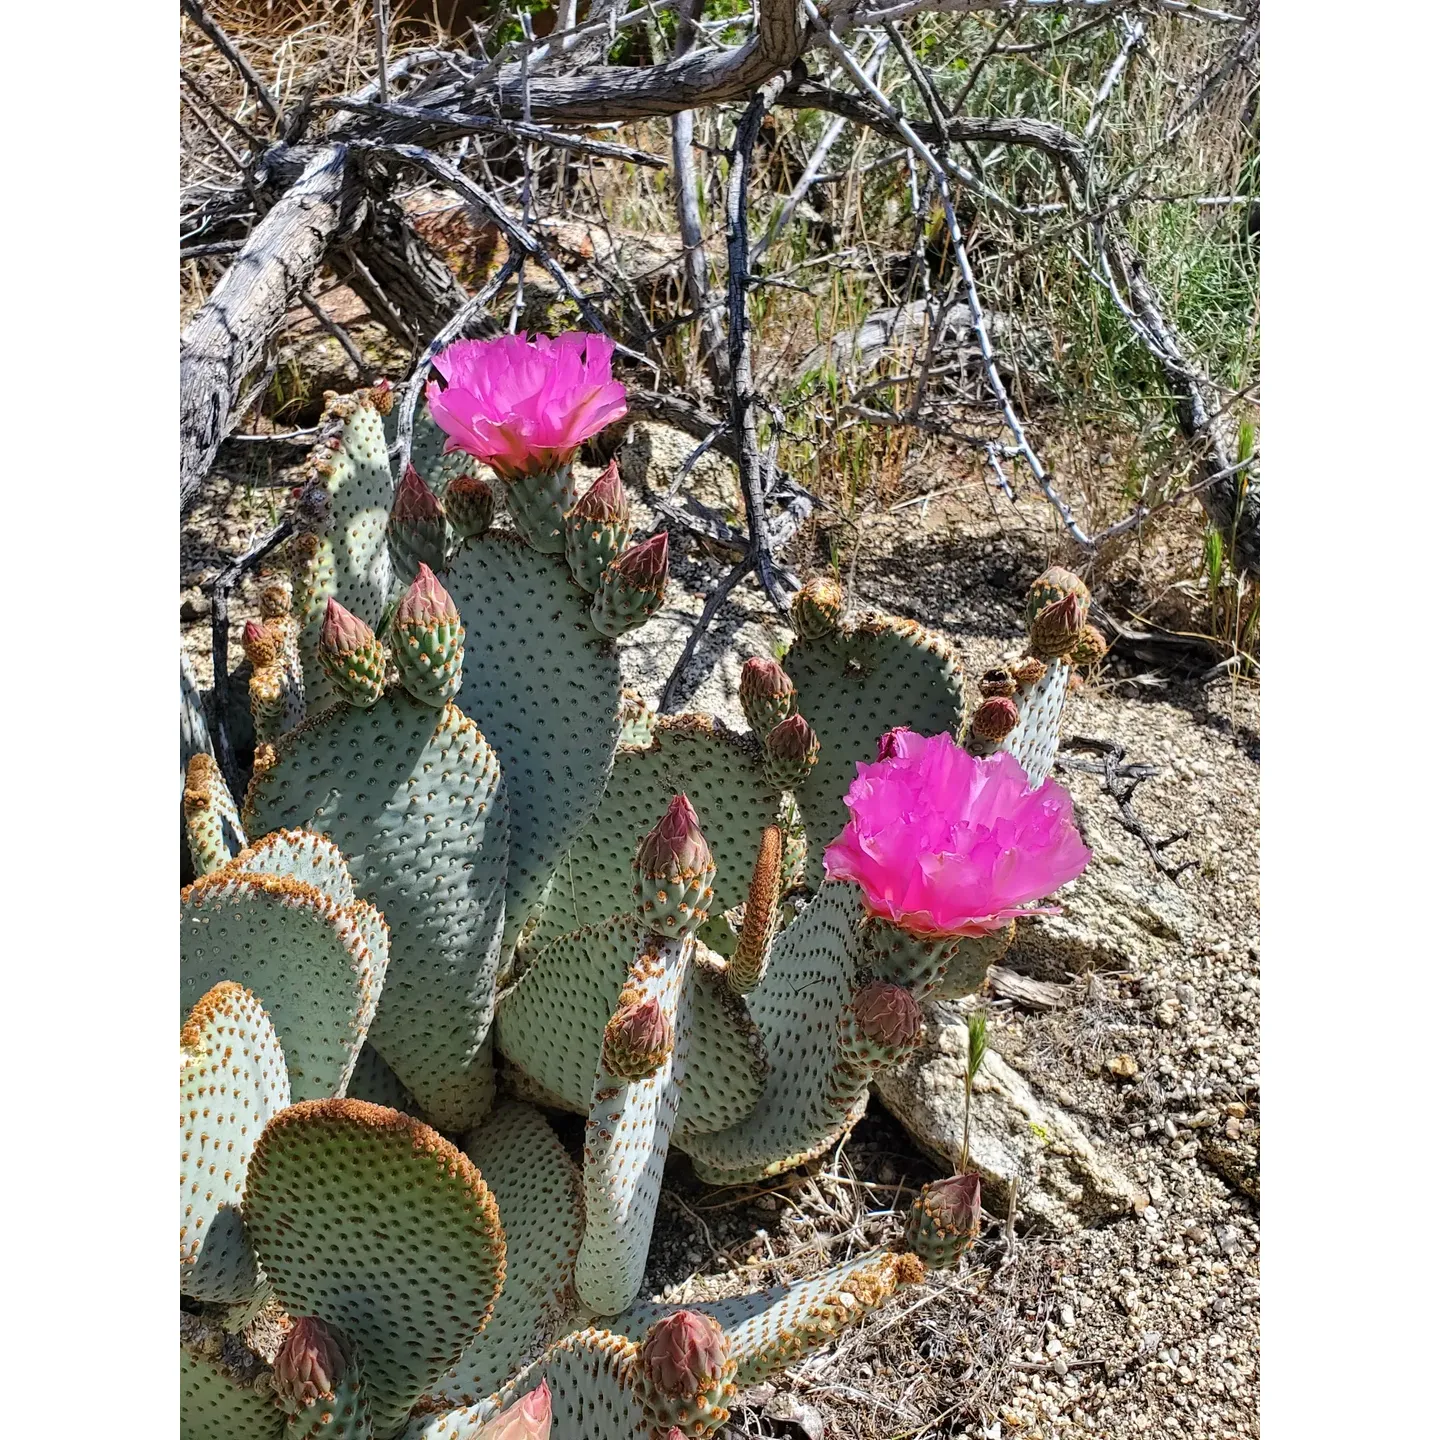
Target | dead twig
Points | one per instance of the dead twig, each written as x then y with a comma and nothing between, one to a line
226,46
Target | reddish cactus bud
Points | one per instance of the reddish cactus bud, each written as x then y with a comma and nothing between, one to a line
1053,585
684,1354
646,566
637,1039
426,602
816,610
887,1015
342,633
1029,671
997,682
945,1220
415,502
676,845
767,694
260,644
527,1419
605,502
1056,629
309,1365
791,750
994,719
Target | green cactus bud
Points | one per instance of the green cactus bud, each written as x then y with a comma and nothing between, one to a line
416,527
596,528
632,588
997,682
994,719
352,658
881,1025
746,967
767,694
815,611
685,1374
428,640
637,1039
538,505
791,750
307,1366
470,505
674,872
945,1220
1090,648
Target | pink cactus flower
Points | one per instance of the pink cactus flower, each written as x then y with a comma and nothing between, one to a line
944,843
527,1419
522,405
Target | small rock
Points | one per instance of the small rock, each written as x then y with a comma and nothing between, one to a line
1059,1366
194,604
1067,1316
1123,1067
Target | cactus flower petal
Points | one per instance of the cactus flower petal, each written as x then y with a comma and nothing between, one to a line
943,842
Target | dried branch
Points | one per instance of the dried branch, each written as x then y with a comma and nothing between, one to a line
223,43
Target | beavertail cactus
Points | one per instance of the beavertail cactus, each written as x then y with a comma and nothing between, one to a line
685,1374
351,657
674,871
791,750
416,530
470,505
632,587
1089,648
767,694
428,641
995,717
596,529
816,610
945,1220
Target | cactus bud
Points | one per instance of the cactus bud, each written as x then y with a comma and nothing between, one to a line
1029,671
637,1039
994,719
945,1220
416,528
527,1419
791,750
674,873
470,505
1090,648
596,528
351,657
815,611
428,641
685,1374
881,1025
1056,629
275,597
767,694
632,588
997,682
308,1365
260,643
1053,585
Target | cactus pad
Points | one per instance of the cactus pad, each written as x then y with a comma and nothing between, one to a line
798,1009
232,1080
537,1189
853,685
1036,739
376,1225
224,1387
545,689
309,959
345,505
693,755
551,1026
212,821
415,798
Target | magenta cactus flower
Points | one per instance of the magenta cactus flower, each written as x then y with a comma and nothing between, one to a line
945,843
527,1419
524,406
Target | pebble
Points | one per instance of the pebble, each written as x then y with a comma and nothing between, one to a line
1123,1067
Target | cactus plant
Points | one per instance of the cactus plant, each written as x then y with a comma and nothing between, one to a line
474,799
